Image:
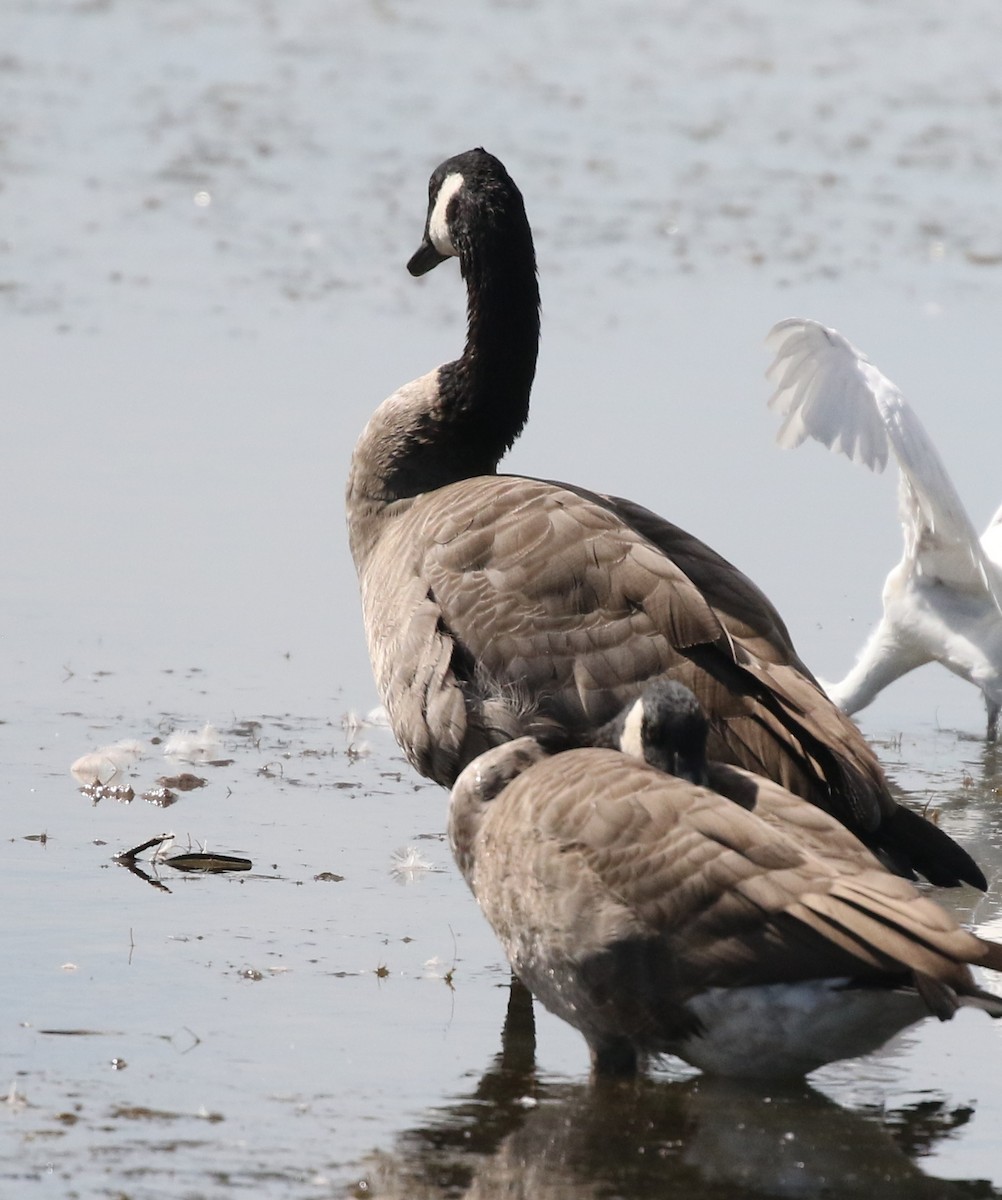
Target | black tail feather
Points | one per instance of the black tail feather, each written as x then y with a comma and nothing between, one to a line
931,851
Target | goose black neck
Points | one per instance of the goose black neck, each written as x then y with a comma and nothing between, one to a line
468,412
484,394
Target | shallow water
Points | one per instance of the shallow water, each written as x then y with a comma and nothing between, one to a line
206,209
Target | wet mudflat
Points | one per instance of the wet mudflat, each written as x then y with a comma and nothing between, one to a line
206,211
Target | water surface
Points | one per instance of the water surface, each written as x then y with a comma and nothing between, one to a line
206,209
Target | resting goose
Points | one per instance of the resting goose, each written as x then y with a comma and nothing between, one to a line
659,917
497,606
943,601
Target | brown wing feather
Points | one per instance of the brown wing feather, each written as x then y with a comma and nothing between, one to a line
811,827
537,593
746,612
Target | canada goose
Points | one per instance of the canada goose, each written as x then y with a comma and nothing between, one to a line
943,600
497,606
658,917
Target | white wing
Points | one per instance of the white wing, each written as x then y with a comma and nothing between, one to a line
823,392
991,542
829,390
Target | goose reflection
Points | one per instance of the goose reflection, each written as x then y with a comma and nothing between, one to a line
518,1135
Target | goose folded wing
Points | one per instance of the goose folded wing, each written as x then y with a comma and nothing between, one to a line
525,606
888,917
552,597
738,902
548,593
413,659
742,608
812,827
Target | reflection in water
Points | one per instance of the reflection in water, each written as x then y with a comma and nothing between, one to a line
518,1136
132,865
991,768
956,780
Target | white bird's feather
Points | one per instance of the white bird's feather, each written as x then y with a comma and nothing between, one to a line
822,393
829,390
188,746
106,764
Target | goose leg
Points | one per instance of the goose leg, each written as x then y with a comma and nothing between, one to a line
993,708
613,1057
518,1037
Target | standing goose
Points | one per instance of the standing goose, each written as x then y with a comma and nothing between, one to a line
658,917
943,601
497,606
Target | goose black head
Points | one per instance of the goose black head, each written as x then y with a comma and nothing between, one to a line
470,196
667,728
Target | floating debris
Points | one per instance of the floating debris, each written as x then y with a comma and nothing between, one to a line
351,722
121,792
102,766
186,861
162,797
202,747
158,840
984,257
185,782
74,1032
409,864
247,729
208,862
328,877
139,1112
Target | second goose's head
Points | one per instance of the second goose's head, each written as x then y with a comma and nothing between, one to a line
667,727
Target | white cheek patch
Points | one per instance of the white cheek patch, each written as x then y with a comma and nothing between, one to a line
438,222
631,741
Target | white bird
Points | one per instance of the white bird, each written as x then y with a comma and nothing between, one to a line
943,600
